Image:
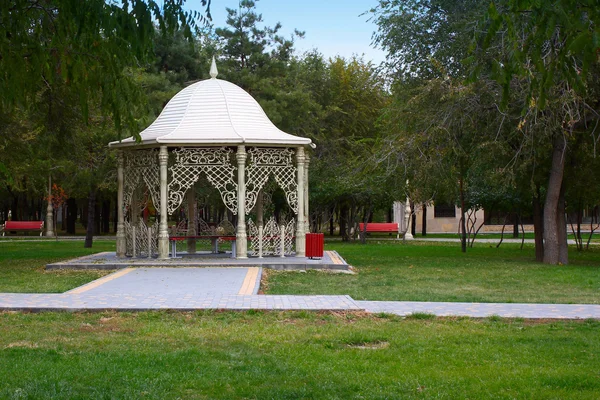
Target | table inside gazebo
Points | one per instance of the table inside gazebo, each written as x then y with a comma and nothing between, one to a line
213,238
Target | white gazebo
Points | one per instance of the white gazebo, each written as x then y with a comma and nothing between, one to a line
212,129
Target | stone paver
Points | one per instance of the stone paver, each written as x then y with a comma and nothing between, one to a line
139,302
479,310
173,282
330,261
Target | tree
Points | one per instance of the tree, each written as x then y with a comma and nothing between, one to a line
426,39
61,58
351,96
441,130
552,47
437,124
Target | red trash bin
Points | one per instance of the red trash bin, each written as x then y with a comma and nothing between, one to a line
314,245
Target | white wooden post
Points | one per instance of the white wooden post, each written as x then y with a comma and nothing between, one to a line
306,208
192,220
300,233
163,229
282,244
241,239
120,215
260,222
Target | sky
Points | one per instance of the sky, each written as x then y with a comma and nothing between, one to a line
334,27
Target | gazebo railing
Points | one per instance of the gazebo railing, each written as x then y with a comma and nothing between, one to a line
141,240
273,239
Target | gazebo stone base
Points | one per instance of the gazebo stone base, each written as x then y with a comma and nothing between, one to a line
331,261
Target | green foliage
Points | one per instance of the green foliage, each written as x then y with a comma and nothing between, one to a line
546,42
86,47
426,39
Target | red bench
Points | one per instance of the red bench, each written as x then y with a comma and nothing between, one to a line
381,227
23,226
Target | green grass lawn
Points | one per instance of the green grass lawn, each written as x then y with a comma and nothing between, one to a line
300,355
22,265
429,271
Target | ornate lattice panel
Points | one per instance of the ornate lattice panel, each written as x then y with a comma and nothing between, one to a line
203,228
279,163
214,162
271,239
253,238
289,237
141,166
225,227
141,240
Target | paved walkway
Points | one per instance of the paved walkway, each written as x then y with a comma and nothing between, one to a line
186,288
175,282
479,310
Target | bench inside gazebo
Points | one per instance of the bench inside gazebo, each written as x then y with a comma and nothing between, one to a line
212,144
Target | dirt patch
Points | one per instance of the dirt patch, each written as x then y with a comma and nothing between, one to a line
377,345
22,344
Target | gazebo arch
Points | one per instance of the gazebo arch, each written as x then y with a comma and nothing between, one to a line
212,128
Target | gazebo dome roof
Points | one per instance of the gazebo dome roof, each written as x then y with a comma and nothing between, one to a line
213,112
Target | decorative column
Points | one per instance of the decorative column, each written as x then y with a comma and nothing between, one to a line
300,233
306,209
120,216
240,236
192,219
49,210
260,222
163,229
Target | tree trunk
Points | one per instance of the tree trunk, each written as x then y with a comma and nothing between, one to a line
352,222
538,226
424,221
413,225
561,230
365,220
343,223
332,222
551,232
463,222
516,226
89,234
71,215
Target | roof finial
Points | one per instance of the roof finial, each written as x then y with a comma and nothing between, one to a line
213,69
